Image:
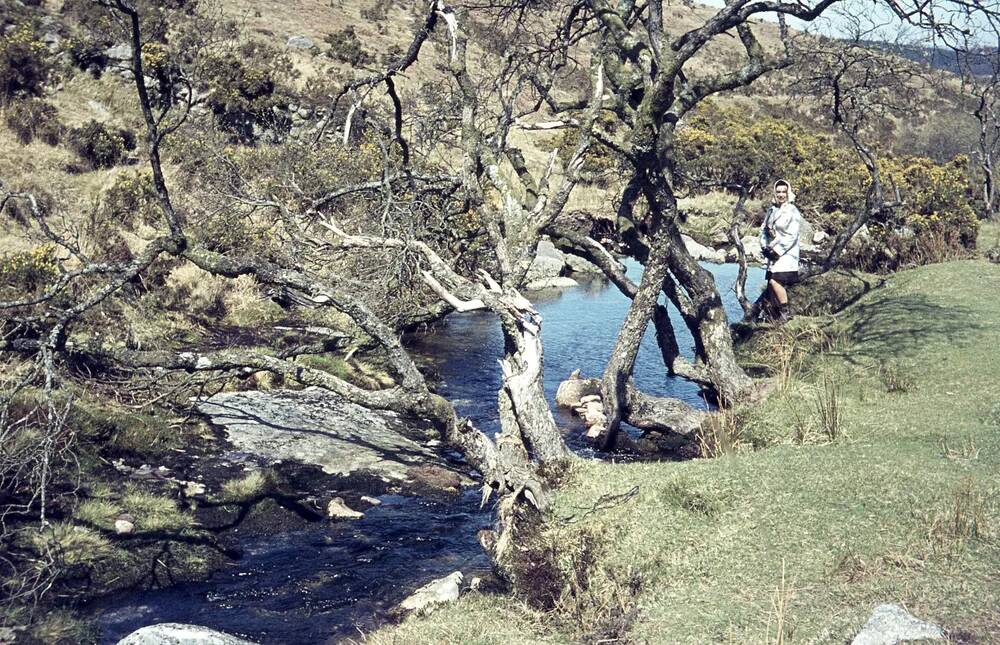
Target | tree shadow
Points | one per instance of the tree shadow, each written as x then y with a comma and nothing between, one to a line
894,327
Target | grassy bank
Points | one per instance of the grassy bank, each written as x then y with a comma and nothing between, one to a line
868,477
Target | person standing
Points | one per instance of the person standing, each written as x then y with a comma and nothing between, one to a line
779,243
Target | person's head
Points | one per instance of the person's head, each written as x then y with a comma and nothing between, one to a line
783,192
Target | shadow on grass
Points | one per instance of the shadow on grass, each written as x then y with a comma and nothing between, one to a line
893,327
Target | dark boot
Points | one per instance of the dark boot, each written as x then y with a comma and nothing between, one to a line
783,314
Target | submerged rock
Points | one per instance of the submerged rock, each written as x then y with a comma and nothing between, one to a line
318,427
436,592
178,634
891,624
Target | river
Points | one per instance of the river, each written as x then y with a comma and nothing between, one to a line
337,580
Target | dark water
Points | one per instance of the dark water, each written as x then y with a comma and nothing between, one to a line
328,582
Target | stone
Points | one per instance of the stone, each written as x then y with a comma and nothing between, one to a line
338,510
593,417
318,427
124,527
751,246
575,388
590,398
304,113
193,489
120,52
178,634
701,252
806,231
576,264
551,283
543,267
374,501
546,249
300,42
437,592
819,236
595,431
890,624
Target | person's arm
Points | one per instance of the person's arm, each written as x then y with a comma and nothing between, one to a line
786,231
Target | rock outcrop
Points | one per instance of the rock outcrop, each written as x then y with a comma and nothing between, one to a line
317,427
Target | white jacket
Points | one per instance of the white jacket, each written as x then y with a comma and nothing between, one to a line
780,232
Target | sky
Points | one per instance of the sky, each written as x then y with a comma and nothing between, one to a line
883,23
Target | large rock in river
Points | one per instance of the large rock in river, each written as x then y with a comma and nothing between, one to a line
701,252
575,388
178,634
548,263
318,427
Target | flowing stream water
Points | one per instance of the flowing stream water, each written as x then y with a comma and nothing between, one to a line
335,581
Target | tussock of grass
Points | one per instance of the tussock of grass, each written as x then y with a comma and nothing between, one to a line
97,512
154,513
246,488
900,508
68,545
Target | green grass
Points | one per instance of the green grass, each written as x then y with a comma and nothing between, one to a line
902,504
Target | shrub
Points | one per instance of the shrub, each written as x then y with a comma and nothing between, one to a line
25,64
245,86
32,119
129,199
28,272
100,145
346,47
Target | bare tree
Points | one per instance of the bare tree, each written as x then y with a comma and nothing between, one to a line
976,51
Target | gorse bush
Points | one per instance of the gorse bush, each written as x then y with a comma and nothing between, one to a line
935,221
127,201
25,64
32,119
346,47
245,86
101,145
28,272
